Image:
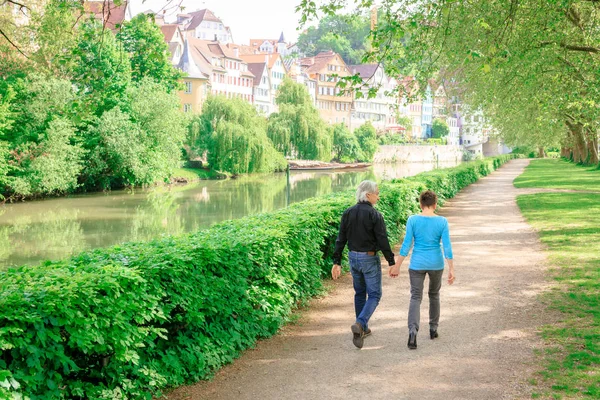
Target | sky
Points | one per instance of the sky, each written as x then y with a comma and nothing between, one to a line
258,19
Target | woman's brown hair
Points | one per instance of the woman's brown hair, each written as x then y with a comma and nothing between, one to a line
428,198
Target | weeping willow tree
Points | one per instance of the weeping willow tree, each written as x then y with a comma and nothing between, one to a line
234,138
297,130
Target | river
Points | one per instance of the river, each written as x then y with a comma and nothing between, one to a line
59,227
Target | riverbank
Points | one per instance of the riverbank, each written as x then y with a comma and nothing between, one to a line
569,226
189,175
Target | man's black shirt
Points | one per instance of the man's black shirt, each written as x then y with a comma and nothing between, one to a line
363,228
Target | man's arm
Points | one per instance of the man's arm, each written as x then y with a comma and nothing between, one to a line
382,239
340,243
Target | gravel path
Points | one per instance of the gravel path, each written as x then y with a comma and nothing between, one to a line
487,329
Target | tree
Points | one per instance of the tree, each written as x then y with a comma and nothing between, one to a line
148,52
344,34
345,144
234,137
439,128
367,140
102,71
140,146
503,58
297,130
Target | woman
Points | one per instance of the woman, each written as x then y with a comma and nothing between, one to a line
426,229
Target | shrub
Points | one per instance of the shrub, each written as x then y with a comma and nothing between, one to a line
126,321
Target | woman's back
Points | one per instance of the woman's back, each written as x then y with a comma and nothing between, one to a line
427,232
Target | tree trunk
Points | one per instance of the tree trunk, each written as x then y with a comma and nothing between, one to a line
579,145
592,147
541,152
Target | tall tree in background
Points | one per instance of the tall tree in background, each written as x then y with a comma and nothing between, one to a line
297,130
148,51
345,34
367,140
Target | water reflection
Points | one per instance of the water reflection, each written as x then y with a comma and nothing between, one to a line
57,228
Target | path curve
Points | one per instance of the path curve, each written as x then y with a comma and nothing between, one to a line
487,328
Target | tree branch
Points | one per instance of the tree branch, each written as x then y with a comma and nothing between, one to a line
587,49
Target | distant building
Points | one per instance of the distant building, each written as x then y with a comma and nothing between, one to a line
175,41
111,15
333,106
380,110
205,25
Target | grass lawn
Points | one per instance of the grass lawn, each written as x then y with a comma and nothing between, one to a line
194,174
559,174
569,226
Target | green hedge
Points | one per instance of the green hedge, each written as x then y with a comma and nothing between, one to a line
126,321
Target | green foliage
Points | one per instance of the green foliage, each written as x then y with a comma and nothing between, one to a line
140,147
345,34
102,71
559,174
149,53
127,321
392,138
297,130
65,112
345,145
439,129
234,137
367,140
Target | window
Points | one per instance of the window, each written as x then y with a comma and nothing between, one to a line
188,87
187,107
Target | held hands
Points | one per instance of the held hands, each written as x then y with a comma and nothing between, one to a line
394,271
336,271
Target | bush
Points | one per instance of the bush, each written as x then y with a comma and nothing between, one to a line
126,321
367,140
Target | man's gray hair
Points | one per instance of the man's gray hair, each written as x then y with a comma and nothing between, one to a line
363,188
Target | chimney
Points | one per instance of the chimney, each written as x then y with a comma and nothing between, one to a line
266,58
236,52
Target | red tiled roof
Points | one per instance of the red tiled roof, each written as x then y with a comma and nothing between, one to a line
261,57
168,31
366,71
257,69
112,16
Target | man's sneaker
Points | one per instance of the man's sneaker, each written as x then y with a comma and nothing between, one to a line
367,332
433,334
412,341
358,335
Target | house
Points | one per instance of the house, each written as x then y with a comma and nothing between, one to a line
475,131
175,41
276,70
333,105
225,72
380,110
270,46
297,75
205,25
111,15
410,106
196,81
262,95
453,138
440,100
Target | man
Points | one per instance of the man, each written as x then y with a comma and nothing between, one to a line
364,229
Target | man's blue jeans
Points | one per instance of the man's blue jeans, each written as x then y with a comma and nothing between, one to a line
366,276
